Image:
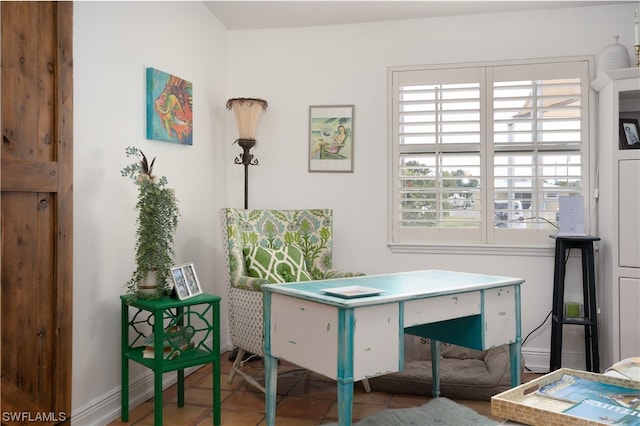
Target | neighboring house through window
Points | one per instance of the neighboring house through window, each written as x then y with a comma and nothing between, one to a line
481,152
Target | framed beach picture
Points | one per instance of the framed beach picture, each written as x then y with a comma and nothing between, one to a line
185,281
169,108
331,138
629,134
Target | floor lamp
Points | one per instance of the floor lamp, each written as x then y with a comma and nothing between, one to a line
247,112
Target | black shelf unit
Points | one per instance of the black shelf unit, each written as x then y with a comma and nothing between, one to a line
589,318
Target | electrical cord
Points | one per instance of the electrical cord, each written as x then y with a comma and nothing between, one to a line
524,219
547,317
533,331
537,328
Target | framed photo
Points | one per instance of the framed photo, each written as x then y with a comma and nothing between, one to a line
331,138
185,281
169,108
629,134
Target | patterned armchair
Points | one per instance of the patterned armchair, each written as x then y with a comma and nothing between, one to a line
309,230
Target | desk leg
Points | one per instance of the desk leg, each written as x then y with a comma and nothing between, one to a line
346,326
435,367
270,364
515,348
271,384
514,362
345,402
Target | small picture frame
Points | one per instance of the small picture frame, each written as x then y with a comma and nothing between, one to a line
185,281
629,134
331,138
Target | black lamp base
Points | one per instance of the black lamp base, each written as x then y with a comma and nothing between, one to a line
246,159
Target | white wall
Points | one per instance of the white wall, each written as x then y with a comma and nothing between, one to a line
291,69
295,68
114,42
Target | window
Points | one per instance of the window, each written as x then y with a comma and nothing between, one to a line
480,154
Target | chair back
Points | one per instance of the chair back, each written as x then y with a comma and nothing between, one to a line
310,229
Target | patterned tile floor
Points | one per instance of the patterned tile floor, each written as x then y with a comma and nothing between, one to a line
304,398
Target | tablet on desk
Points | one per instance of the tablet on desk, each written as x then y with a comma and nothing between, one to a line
351,291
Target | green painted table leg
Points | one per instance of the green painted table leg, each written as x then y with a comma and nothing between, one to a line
217,416
124,370
180,388
180,378
158,331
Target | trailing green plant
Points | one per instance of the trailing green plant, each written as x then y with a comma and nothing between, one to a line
157,221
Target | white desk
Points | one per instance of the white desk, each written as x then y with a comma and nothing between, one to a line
350,339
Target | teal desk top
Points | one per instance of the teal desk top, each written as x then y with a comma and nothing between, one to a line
391,287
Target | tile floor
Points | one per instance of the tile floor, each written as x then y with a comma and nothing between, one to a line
304,398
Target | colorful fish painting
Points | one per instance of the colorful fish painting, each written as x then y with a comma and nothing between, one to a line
169,108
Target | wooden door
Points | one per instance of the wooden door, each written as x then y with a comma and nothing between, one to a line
36,207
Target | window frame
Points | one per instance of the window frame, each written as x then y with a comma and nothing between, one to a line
531,242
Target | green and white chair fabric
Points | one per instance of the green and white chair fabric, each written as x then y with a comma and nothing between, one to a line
266,247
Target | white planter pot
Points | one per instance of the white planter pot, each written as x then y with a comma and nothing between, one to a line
149,285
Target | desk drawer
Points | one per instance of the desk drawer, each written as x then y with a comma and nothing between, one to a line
441,308
309,335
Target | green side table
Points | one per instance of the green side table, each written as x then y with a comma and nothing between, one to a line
190,331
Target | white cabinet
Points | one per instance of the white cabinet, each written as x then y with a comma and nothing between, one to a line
629,213
629,317
618,217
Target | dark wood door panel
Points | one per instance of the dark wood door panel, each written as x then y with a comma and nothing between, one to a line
31,176
28,336
36,209
29,80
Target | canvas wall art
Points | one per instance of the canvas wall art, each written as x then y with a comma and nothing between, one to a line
169,108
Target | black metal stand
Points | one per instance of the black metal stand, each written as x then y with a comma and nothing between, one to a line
589,320
246,159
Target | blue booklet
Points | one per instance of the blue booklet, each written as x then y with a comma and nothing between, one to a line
605,413
575,389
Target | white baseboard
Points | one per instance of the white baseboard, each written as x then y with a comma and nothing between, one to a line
537,360
104,410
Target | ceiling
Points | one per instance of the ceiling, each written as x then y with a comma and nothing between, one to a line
245,15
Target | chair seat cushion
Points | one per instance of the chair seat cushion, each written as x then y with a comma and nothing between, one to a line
283,265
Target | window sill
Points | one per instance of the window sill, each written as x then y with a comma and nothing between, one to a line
474,249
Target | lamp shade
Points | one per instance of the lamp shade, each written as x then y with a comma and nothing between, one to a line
247,112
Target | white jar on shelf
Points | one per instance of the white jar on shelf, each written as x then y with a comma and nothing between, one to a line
614,56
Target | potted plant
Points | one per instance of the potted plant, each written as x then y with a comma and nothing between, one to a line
157,222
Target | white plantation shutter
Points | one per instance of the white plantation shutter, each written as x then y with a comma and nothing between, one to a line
539,141
481,153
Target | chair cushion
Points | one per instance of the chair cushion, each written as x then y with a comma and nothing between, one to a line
283,265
